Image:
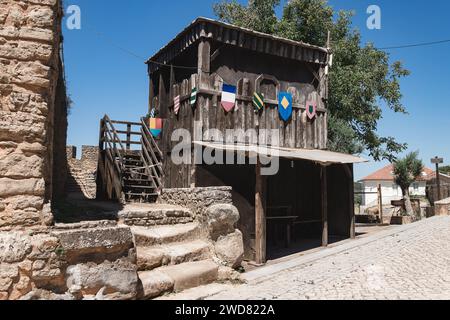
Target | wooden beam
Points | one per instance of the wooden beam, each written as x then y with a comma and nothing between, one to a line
351,198
204,60
162,101
151,92
324,189
260,216
380,203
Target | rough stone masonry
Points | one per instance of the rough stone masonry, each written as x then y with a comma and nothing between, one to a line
38,259
30,67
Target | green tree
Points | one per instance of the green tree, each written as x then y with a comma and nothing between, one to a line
406,171
361,79
445,170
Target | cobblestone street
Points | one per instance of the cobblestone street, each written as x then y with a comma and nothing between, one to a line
410,264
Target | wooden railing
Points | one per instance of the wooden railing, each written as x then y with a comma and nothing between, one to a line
115,145
151,156
111,161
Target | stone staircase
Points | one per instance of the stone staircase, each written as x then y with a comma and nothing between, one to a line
173,253
81,181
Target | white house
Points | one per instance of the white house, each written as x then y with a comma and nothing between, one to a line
389,189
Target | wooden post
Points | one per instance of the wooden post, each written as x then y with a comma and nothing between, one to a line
352,203
100,163
128,137
380,203
438,161
151,94
260,216
438,181
324,187
162,101
204,63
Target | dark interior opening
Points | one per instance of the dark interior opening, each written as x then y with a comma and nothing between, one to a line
293,204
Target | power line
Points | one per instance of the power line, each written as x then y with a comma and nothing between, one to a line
131,53
423,44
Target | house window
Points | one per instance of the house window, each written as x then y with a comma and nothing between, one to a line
416,187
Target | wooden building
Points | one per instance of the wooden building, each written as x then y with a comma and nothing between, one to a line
311,196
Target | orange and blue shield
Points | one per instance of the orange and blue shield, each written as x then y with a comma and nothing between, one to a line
285,105
155,127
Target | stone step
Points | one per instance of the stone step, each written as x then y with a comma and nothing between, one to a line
177,278
146,215
159,235
149,258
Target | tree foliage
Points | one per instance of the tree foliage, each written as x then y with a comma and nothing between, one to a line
445,170
361,80
406,171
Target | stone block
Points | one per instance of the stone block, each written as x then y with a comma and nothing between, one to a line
95,244
19,166
12,187
119,277
230,249
14,247
221,219
154,284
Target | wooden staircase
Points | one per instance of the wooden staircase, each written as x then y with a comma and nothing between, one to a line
129,170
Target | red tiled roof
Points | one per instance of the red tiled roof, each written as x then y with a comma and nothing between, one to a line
386,174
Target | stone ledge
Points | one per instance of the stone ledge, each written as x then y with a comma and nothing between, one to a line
95,244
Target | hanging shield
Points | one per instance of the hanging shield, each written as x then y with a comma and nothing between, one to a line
228,97
311,109
155,126
285,105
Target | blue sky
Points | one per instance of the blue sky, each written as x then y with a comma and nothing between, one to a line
103,79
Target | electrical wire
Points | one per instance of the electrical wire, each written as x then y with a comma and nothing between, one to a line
133,54
423,44
137,56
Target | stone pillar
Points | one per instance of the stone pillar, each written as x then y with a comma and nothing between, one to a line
30,34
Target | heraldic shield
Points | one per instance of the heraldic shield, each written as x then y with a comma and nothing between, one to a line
285,105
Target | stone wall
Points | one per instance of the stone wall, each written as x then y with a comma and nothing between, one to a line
197,199
30,36
70,262
213,208
82,173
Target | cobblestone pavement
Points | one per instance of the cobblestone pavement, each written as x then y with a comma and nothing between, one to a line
413,264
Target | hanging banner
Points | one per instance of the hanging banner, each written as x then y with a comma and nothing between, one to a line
228,97
193,98
258,101
285,105
311,109
155,126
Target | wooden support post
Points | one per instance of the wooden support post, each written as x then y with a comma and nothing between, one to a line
438,182
204,63
351,198
100,163
151,94
162,101
324,188
260,216
128,137
380,203
352,203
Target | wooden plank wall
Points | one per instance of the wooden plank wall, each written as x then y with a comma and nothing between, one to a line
299,132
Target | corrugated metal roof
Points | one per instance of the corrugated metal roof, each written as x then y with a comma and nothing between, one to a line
319,156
